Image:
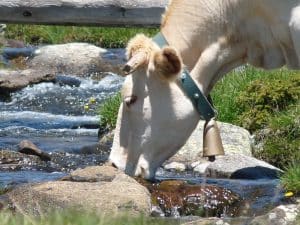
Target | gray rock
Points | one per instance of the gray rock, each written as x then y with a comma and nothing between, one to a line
281,215
27,147
201,168
93,174
238,166
180,167
235,140
74,58
12,80
120,195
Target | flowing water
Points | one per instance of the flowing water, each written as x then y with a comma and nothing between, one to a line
53,116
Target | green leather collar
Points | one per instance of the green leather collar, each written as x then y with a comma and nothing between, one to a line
199,100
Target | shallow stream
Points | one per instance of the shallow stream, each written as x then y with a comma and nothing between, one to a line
53,116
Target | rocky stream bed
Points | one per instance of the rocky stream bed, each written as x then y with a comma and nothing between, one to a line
49,145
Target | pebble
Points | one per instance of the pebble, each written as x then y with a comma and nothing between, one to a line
180,167
201,168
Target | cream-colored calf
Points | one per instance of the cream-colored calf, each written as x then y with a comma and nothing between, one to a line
210,37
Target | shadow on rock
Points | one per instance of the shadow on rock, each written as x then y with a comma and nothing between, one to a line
257,172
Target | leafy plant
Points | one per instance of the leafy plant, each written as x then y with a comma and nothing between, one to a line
109,110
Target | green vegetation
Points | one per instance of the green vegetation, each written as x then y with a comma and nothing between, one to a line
262,99
290,180
104,37
109,110
227,92
73,218
267,104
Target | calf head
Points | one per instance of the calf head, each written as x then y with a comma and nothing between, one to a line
156,117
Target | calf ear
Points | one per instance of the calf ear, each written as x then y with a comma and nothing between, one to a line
167,63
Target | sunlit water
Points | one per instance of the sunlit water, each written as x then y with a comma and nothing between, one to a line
52,115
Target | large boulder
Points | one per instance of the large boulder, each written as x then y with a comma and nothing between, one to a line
238,166
75,58
235,140
237,163
110,192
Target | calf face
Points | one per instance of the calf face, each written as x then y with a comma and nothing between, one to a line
156,117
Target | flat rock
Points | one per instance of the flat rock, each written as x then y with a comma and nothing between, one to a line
93,174
74,58
175,166
238,166
120,195
235,140
12,80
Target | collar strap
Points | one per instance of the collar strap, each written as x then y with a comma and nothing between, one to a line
199,100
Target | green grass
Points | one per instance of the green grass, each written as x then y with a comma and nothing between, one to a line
75,218
104,37
228,90
290,179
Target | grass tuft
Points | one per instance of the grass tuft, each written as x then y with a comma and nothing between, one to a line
105,37
75,218
290,179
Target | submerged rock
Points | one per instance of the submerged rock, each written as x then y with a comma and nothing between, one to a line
178,198
60,161
11,161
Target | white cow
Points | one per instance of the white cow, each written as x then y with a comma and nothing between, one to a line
210,37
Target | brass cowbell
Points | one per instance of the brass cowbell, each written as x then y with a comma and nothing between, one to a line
212,143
